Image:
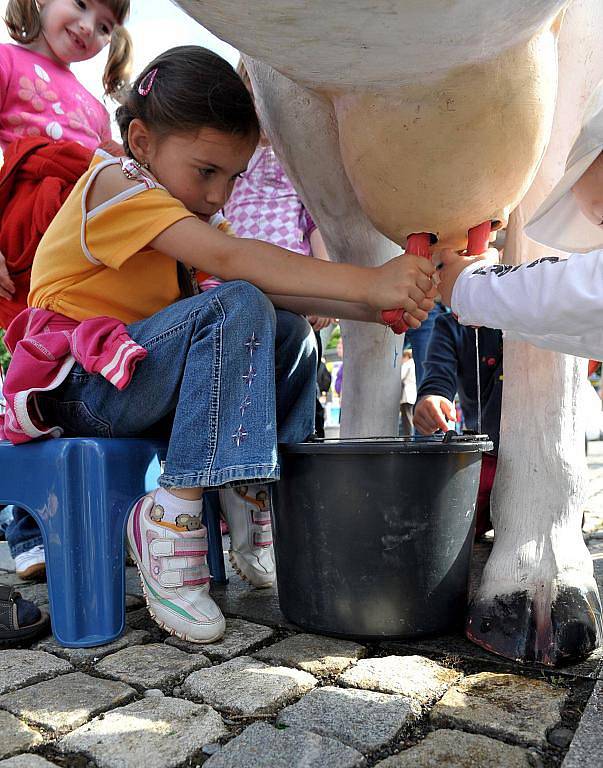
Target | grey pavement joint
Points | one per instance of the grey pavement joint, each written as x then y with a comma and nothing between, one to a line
455,749
150,666
262,746
59,708
504,706
419,678
81,656
315,654
21,667
151,733
246,686
364,720
240,637
587,745
16,736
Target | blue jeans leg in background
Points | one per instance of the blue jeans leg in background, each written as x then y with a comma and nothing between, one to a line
22,532
418,338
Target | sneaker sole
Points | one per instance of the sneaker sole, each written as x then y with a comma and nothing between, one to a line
35,572
162,624
240,573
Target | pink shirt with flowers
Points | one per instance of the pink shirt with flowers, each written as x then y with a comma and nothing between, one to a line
40,97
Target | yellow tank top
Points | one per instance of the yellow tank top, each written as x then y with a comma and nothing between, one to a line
98,262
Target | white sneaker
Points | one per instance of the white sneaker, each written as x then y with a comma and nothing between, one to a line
247,512
31,564
172,562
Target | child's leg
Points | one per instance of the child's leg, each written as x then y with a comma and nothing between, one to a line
247,508
26,545
211,363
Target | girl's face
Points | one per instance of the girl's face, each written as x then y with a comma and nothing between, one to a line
74,30
588,191
199,169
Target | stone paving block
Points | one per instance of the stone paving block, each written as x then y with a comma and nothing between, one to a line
23,667
504,706
315,654
133,602
26,761
455,749
364,720
59,707
154,733
150,666
262,746
15,735
247,686
586,747
419,678
89,655
240,637
133,585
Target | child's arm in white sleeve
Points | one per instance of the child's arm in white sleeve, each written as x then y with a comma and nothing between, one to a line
546,298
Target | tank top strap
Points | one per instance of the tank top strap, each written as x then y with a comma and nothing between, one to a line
146,182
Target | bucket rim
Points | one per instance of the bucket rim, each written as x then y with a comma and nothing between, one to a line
444,443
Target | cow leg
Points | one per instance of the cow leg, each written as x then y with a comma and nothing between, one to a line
303,130
538,599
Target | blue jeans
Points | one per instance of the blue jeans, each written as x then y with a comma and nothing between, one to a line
22,532
418,339
224,369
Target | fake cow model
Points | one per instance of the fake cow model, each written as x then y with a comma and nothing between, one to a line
396,118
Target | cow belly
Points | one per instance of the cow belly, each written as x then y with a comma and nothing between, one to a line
444,157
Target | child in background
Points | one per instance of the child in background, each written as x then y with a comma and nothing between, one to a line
44,104
408,393
450,368
232,373
552,303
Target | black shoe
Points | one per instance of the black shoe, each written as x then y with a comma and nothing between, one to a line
21,621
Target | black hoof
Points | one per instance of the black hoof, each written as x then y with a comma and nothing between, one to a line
529,628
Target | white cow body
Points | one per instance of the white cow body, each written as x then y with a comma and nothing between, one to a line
401,116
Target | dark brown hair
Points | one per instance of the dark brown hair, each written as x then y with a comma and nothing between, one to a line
24,25
192,88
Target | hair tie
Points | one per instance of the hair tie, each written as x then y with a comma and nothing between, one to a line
145,85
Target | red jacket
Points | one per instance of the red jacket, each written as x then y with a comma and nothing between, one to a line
37,176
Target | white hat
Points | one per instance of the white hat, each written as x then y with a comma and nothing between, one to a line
559,222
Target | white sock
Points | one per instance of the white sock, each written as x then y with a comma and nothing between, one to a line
174,506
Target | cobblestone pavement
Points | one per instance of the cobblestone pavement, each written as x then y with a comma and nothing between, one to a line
271,696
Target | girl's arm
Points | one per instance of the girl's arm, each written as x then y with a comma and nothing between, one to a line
343,310
402,282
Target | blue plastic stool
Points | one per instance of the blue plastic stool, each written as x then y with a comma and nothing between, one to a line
80,490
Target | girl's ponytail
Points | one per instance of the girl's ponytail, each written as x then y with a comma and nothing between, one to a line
22,20
118,69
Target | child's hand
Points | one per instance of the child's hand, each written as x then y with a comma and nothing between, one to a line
432,412
404,282
318,323
7,287
452,264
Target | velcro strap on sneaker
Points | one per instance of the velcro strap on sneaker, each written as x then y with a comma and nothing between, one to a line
196,546
174,563
184,577
261,516
262,538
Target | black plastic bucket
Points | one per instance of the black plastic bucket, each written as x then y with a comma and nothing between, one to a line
373,537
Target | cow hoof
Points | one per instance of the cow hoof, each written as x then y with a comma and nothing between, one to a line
538,627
